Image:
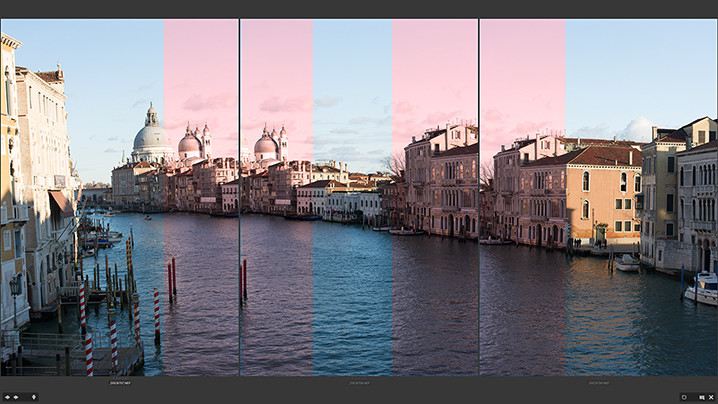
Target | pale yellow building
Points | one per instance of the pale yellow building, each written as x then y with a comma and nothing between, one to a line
13,315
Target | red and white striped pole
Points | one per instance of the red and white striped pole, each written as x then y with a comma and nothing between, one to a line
136,301
88,354
83,321
113,336
157,316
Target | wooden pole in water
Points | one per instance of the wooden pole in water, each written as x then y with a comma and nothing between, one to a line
132,237
169,281
58,365
245,279
174,277
67,361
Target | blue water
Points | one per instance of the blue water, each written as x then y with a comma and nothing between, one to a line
543,314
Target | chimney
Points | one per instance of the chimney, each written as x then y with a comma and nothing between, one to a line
502,148
555,146
579,143
614,138
446,138
413,139
654,130
630,158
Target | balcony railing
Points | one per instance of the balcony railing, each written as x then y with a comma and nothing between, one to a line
705,189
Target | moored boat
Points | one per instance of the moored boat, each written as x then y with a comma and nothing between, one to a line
627,263
382,228
403,232
707,289
496,241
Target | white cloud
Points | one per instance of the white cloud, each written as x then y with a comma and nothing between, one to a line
326,101
638,130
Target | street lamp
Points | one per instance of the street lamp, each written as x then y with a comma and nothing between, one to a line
15,289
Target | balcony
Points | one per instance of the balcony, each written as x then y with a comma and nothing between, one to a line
20,213
448,182
450,208
704,225
703,190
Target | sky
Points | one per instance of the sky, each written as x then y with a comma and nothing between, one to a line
114,68
594,78
356,91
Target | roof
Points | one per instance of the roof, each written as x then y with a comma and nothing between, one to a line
233,182
675,136
602,142
430,134
704,147
323,184
50,77
595,156
459,151
328,167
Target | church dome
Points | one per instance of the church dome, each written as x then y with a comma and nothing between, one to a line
152,134
189,143
265,145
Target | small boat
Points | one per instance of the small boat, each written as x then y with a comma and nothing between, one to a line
148,217
294,217
114,236
627,263
382,228
494,241
88,253
707,289
109,214
402,232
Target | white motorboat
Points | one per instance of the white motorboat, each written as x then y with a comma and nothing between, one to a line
383,228
114,236
707,289
627,263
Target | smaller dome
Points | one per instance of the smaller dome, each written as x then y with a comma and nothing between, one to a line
265,145
189,143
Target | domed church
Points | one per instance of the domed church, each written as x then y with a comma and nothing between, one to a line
152,143
271,147
195,146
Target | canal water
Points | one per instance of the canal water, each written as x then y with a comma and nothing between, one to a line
200,330
544,314
332,299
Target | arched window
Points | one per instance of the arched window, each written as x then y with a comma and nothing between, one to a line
681,176
624,180
586,181
585,209
637,183
694,176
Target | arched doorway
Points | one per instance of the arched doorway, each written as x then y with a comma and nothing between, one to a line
539,233
706,256
451,226
554,233
311,208
467,229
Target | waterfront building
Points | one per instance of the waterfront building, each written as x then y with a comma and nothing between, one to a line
486,209
342,206
585,194
270,148
311,198
194,146
230,192
454,187
370,205
657,203
13,212
152,144
330,170
94,195
393,202
125,185
284,178
258,192
507,171
697,210
208,177
418,156
49,186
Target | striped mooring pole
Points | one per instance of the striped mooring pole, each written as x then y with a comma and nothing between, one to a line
88,354
157,316
83,321
136,301
113,336
169,280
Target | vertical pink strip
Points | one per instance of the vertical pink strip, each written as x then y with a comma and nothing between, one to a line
434,79
276,82
522,80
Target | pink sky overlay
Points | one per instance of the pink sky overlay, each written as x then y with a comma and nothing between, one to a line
201,68
434,76
277,82
522,76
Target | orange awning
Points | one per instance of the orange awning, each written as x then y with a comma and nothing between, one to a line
62,203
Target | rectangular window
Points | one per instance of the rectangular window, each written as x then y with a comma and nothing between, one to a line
18,244
627,203
619,203
627,225
660,255
701,136
29,97
637,227
618,225
669,203
671,164
669,229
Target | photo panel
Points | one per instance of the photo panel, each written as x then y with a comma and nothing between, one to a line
358,218
128,210
594,225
